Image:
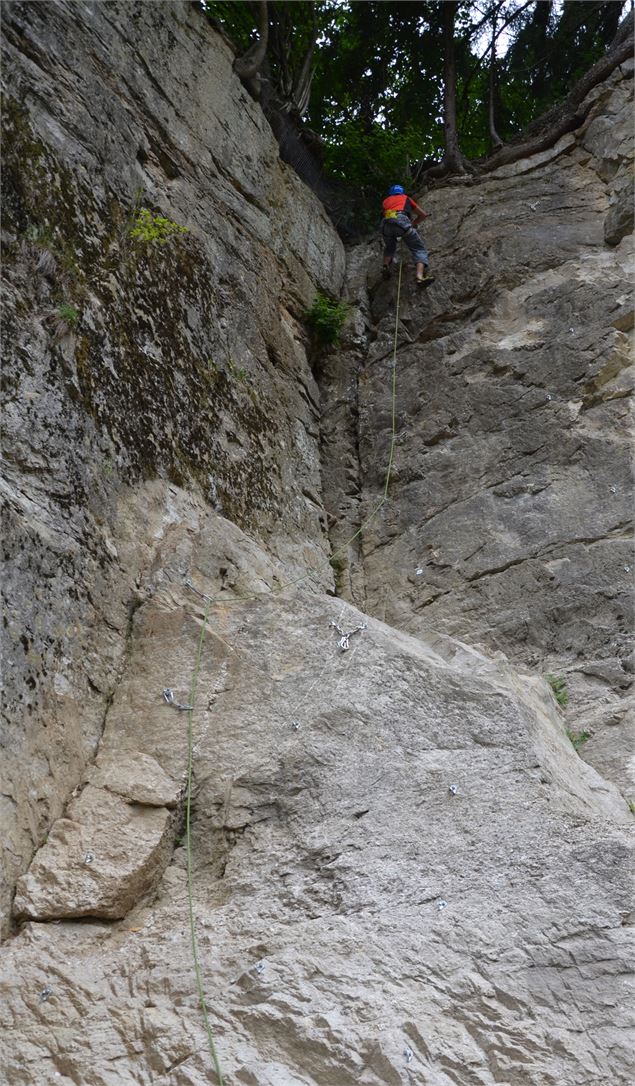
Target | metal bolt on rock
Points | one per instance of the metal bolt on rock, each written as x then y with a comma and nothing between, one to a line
408,1053
295,724
344,641
418,571
89,857
453,789
203,595
46,994
260,967
169,699
441,905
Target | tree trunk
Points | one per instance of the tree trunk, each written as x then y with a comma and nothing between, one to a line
566,117
248,66
495,140
302,85
452,158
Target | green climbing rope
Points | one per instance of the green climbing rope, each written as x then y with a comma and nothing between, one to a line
188,849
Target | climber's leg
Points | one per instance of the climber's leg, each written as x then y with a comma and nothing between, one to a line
389,235
419,255
423,279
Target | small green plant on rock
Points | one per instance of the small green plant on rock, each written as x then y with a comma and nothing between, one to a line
69,314
62,321
578,739
239,372
339,565
149,227
559,688
326,319
228,370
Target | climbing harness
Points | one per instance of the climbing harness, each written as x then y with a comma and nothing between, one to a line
169,697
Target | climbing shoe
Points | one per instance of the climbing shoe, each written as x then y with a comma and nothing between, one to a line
425,282
385,272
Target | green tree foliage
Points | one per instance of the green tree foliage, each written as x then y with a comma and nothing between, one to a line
551,49
377,93
375,71
293,32
326,319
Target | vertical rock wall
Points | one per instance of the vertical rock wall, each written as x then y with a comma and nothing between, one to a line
133,363
401,870
510,515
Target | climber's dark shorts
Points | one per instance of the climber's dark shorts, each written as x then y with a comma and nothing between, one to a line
401,227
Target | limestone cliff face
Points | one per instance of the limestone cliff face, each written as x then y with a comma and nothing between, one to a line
403,873
510,522
179,384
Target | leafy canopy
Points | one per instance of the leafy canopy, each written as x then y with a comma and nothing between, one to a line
376,96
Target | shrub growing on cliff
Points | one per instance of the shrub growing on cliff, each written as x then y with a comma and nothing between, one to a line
62,321
69,314
559,687
326,319
577,739
148,227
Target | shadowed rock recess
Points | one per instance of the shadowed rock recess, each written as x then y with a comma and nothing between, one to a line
403,872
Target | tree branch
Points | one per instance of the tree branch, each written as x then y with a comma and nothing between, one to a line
566,117
248,66
495,140
479,61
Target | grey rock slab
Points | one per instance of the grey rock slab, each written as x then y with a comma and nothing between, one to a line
509,515
322,857
402,870
99,860
187,364
136,777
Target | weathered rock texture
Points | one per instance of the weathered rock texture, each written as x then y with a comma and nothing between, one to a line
510,514
322,856
99,860
402,871
185,361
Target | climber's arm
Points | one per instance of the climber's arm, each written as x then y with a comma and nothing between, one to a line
419,213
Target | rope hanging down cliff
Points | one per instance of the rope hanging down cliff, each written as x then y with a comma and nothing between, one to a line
189,708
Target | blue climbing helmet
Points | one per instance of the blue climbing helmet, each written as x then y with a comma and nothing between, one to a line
396,190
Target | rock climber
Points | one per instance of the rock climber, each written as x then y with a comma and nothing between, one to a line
401,215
